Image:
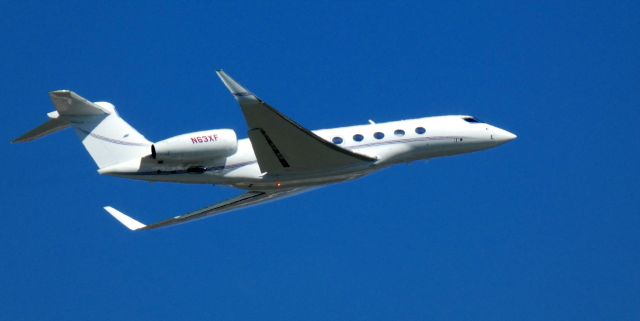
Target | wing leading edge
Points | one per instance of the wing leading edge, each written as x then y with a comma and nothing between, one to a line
243,201
281,145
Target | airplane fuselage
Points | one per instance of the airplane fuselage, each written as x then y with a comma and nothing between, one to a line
280,158
389,143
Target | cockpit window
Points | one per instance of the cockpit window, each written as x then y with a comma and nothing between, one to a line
470,120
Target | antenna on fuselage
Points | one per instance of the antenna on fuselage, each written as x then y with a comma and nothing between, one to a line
372,122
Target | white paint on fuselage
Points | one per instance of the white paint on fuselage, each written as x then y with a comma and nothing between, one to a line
443,136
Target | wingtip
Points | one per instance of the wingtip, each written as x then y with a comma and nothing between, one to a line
234,87
125,220
223,75
61,92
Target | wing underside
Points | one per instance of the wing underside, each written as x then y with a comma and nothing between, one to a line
281,145
243,201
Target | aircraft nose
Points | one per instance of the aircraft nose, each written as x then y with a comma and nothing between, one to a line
502,136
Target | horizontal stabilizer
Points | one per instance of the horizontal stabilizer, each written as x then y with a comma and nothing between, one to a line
69,103
51,126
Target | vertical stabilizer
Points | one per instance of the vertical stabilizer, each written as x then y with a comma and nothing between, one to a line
108,138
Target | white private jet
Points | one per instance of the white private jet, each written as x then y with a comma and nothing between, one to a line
279,159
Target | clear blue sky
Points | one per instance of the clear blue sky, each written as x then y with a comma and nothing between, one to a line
544,228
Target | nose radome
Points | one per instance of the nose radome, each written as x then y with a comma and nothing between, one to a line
502,136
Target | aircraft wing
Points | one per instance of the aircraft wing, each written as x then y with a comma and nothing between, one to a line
281,145
245,200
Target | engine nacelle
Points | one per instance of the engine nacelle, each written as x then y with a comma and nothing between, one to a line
197,146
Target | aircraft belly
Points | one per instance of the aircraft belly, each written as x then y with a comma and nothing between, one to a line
268,182
274,184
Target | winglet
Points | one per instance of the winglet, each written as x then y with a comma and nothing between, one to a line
235,88
124,219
